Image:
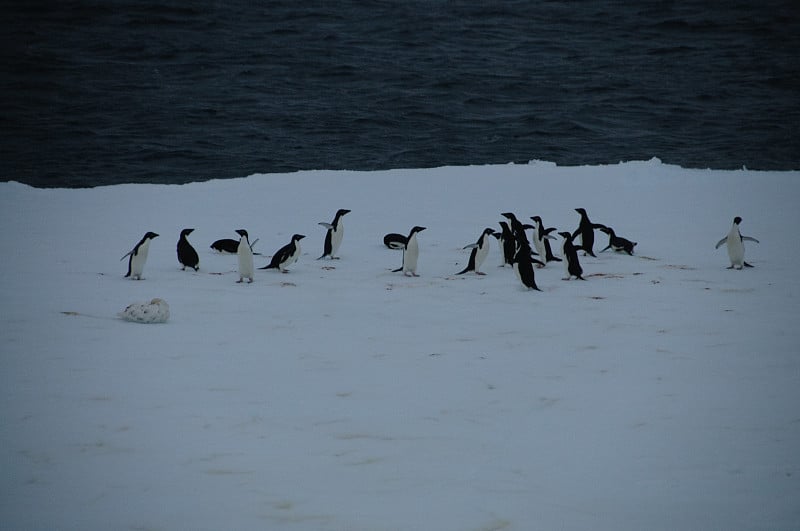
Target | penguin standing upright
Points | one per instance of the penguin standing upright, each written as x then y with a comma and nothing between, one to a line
333,238
735,242
523,266
517,228
541,236
586,231
410,253
138,256
617,243
245,254
480,250
286,255
508,243
187,256
570,253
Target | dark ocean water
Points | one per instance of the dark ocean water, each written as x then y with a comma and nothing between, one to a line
113,91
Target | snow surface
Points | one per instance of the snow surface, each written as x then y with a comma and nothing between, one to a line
662,393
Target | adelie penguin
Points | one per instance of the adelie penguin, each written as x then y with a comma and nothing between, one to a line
570,254
395,241
187,256
517,228
616,242
230,246
286,255
541,237
245,254
523,266
410,253
735,242
508,244
333,238
586,231
480,250
138,256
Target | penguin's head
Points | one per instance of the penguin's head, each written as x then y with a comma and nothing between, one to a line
298,237
607,230
186,232
565,235
242,233
150,236
537,219
581,211
508,215
737,220
342,212
416,230
487,231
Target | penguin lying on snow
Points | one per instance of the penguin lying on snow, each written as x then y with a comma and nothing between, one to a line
155,311
286,255
480,250
138,256
395,241
333,238
735,242
187,256
616,242
230,246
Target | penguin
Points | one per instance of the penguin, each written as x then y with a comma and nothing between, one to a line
541,236
286,255
523,266
395,241
333,238
187,256
735,242
586,231
616,242
517,229
230,246
480,250
226,246
138,256
411,253
570,253
245,254
508,243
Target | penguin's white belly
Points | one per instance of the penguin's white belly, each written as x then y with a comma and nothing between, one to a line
292,258
246,268
336,239
539,244
411,256
480,255
736,249
155,311
138,260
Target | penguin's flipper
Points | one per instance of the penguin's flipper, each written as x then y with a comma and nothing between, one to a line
606,247
470,246
535,261
326,225
127,255
598,226
460,272
750,239
723,240
397,270
549,236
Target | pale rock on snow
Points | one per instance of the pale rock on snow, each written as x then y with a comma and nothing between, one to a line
659,394
155,311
